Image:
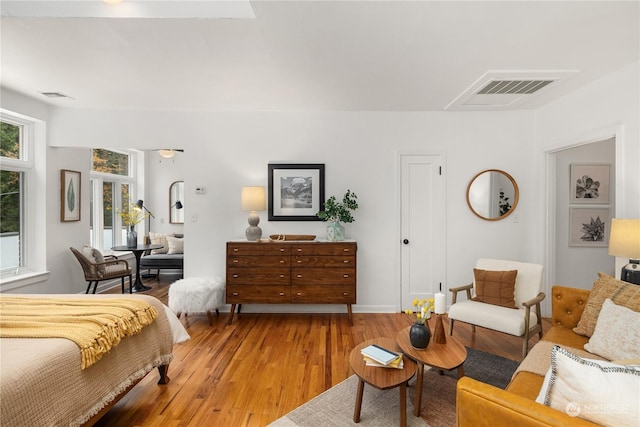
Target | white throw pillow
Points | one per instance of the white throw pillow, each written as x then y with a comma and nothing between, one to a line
87,251
176,245
617,333
159,239
598,391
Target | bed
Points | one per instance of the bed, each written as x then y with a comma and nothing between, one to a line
42,383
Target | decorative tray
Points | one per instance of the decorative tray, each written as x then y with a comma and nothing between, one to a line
284,237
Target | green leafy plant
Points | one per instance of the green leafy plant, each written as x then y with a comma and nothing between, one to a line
339,211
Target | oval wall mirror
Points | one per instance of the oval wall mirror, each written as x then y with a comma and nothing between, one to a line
492,194
176,200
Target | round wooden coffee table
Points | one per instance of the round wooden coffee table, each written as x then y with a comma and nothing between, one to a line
381,378
445,357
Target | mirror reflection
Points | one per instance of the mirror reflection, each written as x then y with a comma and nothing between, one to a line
492,194
176,200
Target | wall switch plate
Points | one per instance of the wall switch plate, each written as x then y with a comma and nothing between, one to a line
201,190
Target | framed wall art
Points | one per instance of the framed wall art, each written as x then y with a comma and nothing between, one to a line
589,227
296,191
69,195
590,183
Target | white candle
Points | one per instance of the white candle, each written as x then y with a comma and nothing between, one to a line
440,303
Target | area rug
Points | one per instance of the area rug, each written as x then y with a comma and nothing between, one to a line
381,408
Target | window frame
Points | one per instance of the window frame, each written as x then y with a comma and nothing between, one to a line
97,179
32,266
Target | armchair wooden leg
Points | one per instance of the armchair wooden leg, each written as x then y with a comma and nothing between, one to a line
451,326
122,283
89,286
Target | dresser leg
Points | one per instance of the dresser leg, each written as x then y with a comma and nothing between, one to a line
233,308
350,314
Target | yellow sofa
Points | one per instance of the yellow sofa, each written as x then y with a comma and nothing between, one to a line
479,404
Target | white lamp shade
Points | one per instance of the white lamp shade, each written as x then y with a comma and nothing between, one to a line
253,199
624,239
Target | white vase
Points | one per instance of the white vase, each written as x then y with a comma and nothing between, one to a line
335,232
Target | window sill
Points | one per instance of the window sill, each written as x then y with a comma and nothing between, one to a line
8,283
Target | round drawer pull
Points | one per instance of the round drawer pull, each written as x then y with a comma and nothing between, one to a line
235,294
235,249
235,276
281,261
281,249
299,261
281,294
299,293
299,249
346,276
345,250
346,261
282,276
299,276
235,261
345,294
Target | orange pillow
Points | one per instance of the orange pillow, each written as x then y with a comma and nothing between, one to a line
496,287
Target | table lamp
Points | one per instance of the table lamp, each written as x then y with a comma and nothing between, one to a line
253,199
624,242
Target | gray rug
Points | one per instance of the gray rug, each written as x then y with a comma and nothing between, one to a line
381,408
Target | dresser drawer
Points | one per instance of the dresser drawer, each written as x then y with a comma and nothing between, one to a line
323,276
324,294
258,261
323,249
258,294
258,276
323,261
259,249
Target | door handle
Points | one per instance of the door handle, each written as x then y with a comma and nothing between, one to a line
405,241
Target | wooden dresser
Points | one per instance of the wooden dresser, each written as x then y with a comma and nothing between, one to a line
294,272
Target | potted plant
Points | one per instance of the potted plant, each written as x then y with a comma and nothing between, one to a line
419,333
335,212
131,217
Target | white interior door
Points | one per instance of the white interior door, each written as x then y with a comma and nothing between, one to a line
423,226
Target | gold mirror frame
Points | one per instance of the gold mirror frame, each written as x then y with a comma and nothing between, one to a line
176,193
489,193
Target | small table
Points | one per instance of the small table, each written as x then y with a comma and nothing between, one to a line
381,378
137,251
446,356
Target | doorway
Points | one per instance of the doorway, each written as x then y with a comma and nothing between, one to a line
422,220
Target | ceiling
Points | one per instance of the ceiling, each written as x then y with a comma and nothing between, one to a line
309,55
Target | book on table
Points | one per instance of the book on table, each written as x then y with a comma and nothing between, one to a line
381,355
396,364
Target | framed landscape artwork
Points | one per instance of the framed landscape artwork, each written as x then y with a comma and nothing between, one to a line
69,195
589,227
296,191
590,183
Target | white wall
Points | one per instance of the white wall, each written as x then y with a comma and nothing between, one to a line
589,260
607,107
225,151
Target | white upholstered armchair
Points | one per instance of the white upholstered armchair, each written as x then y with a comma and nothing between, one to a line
489,299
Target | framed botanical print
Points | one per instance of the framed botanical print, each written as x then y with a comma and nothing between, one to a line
590,183
589,227
296,191
69,195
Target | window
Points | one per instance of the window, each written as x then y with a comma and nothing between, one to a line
15,167
112,184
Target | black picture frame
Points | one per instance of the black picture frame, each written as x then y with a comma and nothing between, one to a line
303,186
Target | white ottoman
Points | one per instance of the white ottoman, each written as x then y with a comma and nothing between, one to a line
196,295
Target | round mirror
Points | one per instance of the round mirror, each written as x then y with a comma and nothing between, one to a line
176,200
492,194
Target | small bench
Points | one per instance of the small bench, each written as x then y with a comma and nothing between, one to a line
162,261
197,295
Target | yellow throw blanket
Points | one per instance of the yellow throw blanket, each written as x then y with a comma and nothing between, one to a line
95,325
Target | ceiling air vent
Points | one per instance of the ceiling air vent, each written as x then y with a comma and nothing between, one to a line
55,95
502,87
497,90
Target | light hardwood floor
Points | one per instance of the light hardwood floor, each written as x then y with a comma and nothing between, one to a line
262,366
